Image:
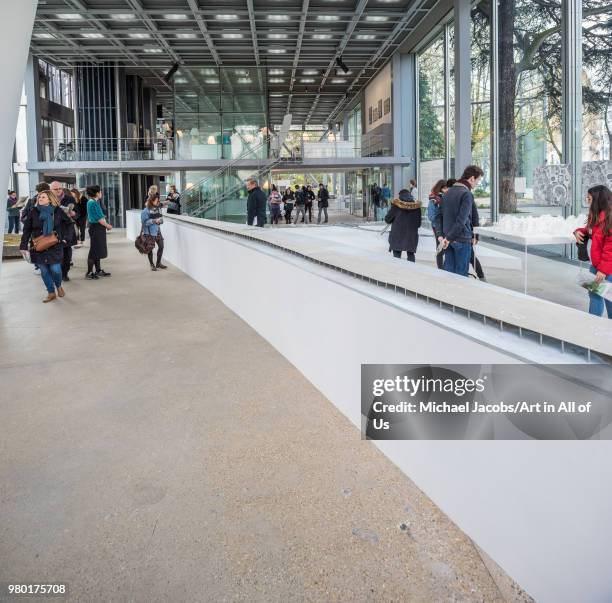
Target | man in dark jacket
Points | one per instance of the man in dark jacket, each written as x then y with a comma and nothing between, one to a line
67,202
323,202
454,221
256,203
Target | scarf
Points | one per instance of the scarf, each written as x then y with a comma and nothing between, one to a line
465,183
46,215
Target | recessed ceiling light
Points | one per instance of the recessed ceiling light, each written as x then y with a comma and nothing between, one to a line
186,36
310,72
212,81
338,81
376,18
123,16
306,80
139,35
232,36
245,80
44,36
93,36
190,95
180,80
366,37
328,17
70,16
277,50
208,71
152,50
276,72
276,17
277,94
277,36
229,17
276,80
176,16
241,72
321,36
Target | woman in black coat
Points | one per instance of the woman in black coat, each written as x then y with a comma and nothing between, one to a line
405,219
47,217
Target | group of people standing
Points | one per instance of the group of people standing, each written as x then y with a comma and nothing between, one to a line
54,222
301,200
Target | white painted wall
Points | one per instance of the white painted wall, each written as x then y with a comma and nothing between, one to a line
378,89
540,509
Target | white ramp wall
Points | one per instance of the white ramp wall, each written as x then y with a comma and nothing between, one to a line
539,509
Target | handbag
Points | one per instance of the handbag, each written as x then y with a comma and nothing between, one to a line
144,243
44,242
173,206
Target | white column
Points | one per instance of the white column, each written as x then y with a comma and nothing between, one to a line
17,31
463,101
404,113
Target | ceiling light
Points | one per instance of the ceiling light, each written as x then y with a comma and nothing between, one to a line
338,81
176,17
276,17
328,17
232,36
342,64
44,36
277,95
152,50
186,36
93,36
276,80
321,36
366,37
276,72
376,18
139,35
70,16
123,16
180,80
306,80
226,17
211,81
241,72
208,71
245,80
310,72
277,36
277,50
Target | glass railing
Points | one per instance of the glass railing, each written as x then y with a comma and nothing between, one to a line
328,145
107,149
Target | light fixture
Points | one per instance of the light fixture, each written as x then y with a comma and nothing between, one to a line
341,64
276,72
211,140
152,50
310,72
180,80
241,72
277,95
186,36
231,36
277,50
227,17
276,80
123,16
307,80
338,81
140,35
44,36
208,71
366,36
70,16
176,16
321,36
277,17
328,17
277,36
211,81
376,18
189,185
93,36
245,80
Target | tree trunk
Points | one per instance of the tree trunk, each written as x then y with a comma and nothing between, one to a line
507,97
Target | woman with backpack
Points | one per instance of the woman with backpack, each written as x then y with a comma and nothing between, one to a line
405,219
599,230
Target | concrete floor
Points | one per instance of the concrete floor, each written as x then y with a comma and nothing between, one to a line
155,448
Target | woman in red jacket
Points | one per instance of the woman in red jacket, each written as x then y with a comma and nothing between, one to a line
599,230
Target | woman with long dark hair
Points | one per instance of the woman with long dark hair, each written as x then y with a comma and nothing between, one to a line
433,209
599,230
151,219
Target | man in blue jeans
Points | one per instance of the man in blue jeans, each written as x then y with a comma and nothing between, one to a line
454,221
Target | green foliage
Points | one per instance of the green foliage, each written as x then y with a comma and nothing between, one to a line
431,131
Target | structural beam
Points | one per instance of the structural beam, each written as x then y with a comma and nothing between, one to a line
463,74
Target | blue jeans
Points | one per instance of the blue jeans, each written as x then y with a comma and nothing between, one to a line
457,258
13,224
51,275
597,303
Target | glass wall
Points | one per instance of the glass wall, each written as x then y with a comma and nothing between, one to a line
55,84
220,113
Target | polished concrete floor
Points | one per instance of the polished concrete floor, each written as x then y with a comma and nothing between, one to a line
155,448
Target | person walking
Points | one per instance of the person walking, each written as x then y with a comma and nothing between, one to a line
322,202
42,237
599,229
433,209
275,201
80,209
474,261
414,191
288,199
256,203
173,201
151,218
405,219
67,203
12,211
98,226
300,204
310,197
454,222
375,194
